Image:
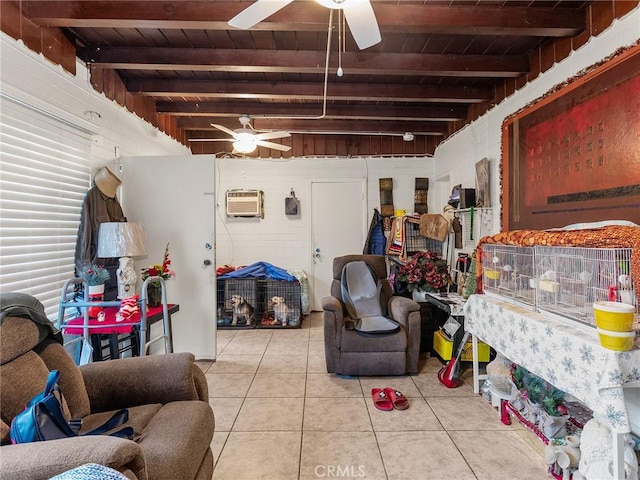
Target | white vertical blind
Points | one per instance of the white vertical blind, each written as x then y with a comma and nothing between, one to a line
44,176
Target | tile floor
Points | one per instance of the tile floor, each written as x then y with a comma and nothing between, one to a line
280,416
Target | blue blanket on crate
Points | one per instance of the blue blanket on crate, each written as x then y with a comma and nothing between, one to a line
261,270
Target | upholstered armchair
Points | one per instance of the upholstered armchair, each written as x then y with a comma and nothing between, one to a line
351,352
166,395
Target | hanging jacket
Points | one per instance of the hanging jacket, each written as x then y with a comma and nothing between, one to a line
376,241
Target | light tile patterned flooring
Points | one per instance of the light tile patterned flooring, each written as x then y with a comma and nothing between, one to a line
280,416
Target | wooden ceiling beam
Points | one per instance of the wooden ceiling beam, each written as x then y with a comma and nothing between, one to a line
326,126
283,61
308,91
291,111
307,16
361,127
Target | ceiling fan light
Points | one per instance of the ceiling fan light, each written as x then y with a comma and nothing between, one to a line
339,4
244,146
244,136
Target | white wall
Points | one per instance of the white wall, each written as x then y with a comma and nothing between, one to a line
39,82
283,240
458,154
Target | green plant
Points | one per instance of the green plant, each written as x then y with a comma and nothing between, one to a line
536,388
94,274
520,377
552,399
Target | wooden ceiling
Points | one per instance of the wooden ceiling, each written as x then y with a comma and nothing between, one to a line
439,65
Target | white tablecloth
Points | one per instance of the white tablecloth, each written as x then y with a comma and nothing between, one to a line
558,351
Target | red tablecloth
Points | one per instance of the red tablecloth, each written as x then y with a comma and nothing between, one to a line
109,324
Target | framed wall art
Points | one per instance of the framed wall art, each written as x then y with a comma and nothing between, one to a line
574,155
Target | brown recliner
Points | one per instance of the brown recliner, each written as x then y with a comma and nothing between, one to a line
350,352
166,395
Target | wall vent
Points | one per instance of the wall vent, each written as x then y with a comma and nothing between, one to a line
245,203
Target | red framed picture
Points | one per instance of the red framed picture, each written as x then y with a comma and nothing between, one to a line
574,155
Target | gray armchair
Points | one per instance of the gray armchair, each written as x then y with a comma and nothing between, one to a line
350,352
167,398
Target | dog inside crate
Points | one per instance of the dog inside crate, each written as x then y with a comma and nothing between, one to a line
281,302
237,302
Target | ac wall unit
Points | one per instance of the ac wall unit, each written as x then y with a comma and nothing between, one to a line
245,203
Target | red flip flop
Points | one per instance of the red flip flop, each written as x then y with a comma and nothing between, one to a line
381,399
398,400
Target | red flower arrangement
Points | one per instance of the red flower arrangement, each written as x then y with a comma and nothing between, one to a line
426,271
157,270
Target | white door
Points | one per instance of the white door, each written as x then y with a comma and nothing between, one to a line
186,222
338,227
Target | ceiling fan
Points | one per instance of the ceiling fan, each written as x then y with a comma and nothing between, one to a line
358,13
246,139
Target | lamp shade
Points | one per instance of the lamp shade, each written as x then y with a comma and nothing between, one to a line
121,239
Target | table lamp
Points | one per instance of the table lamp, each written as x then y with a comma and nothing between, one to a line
123,240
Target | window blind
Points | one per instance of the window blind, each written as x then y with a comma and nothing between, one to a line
44,176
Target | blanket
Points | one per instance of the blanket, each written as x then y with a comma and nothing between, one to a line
396,244
261,270
22,305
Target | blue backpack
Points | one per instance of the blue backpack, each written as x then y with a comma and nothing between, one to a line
43,418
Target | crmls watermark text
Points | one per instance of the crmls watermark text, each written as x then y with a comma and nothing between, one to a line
339,471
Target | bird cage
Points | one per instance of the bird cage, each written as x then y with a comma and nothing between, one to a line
507,270
570,279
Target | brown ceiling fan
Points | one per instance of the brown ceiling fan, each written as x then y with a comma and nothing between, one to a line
246,139
358,13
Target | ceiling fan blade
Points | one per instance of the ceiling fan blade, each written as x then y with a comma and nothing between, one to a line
272,135
274,146
257,12
226,130
363,24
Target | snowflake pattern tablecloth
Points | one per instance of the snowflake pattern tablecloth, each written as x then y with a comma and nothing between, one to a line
563,354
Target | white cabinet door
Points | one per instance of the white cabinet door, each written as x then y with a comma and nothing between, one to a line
186,222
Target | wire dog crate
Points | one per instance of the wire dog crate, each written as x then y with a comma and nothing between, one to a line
416,242
280,303
508,271
570,279
256,302
237,302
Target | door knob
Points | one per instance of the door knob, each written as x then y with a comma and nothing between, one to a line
207,263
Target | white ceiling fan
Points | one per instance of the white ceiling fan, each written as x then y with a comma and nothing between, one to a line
246,139
358,13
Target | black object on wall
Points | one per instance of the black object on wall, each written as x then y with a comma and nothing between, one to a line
467,197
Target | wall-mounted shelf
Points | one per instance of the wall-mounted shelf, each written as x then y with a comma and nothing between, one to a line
476,223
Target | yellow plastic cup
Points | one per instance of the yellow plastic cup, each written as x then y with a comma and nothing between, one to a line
619,341
614,316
